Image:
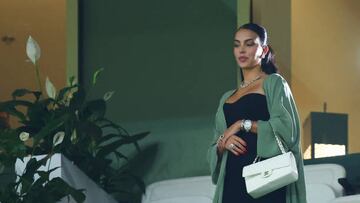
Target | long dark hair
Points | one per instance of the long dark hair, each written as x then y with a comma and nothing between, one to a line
268,64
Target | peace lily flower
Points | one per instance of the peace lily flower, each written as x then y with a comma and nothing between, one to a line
33,50
73,137
24,136
58,138
108,95
50,88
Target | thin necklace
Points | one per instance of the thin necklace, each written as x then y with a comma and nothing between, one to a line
246,84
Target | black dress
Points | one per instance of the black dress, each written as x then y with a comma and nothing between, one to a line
252,107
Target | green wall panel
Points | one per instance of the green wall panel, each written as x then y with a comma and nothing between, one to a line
168,62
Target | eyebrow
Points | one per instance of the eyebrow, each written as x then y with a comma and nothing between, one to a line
253,39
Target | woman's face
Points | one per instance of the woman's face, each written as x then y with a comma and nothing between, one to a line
248,51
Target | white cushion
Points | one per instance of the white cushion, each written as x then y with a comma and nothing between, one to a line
182,190
319,193
347,199
321,185
197,199
327,174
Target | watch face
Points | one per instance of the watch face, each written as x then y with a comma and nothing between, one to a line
247,125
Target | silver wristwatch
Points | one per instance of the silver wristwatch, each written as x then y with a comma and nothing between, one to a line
246,124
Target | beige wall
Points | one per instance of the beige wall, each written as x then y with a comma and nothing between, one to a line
45,21
274,15
318,51
325,53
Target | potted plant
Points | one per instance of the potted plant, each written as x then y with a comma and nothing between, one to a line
64,122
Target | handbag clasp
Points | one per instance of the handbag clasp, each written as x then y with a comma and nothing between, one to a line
266,174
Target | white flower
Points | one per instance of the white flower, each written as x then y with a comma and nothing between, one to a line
24,136
58,138
108,95
73,137
50,88
32,50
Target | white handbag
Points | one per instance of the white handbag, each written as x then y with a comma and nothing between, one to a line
271,174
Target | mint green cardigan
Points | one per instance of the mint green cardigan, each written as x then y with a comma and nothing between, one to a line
284,122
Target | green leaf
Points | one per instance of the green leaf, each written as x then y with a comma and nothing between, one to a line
107,137
106,122
18,114
107,149
31,168
37,95
33,165
120,156
95,109
78,195
138,182
78,99
64,91
39,182
96,75
49,128
38,113
44,175
20,92
10,107
90,130
14,103
59,189
23,92
138,136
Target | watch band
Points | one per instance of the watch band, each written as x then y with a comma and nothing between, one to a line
242,124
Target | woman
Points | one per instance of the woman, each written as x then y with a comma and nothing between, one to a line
247,119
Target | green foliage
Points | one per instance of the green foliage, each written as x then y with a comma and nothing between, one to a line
66,122
85,142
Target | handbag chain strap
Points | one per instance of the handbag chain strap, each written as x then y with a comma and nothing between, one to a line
279,143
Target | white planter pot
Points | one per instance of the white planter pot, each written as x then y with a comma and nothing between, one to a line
72,175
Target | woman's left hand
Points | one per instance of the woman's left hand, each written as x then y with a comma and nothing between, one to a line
236,145
232,130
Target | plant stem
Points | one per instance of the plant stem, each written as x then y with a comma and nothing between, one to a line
38,77
51,154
